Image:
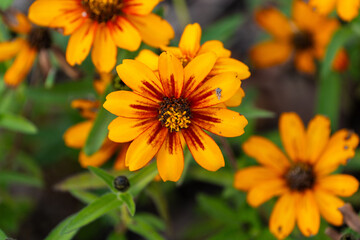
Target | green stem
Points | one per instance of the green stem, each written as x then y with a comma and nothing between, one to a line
182,12
187,161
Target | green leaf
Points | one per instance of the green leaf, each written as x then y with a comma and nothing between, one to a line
17,123
107,178
93,211
139,180
251,112
2,235
9,177
4,4
129,201
143,228
83,196
152,220
57,232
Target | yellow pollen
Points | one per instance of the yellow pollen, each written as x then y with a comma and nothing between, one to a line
175,119
102,10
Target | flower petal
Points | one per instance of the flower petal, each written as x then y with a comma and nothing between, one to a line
329,207
69,21
220,121
215,46
293,136
307,214
282,219
190,40
304,62
204,150
145,146
139,7
270,53
269,155
340,184
264,191
17,21
171,74
75,136
100,157
130,105
348,9
249,177
154,30
104,52
9,49
124,34
80,43
170,158
323,6
149,58
141,79
120,159
236,100
216,90
274,22
304,16
223,65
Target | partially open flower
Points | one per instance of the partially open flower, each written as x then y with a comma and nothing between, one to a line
346,9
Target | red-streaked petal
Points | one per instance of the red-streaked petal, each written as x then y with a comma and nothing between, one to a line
139,7
124,34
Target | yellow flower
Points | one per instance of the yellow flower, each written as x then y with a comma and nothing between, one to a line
103,25
307,34
346,9
189,48
301,178
171,108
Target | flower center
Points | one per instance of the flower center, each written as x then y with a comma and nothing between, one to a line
174,113
102,10
302,40
300,177
39,38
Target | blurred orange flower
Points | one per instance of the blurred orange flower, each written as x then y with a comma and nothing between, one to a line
303,183
346,9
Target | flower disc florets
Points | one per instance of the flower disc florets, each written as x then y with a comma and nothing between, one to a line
102,10
175,113
300,177
39,38
303,40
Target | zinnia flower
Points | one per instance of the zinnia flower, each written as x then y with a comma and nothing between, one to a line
189,48
103,25
301,178
346,9
173,107
307,34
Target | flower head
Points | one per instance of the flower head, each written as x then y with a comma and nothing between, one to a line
346,9
190,47
171,108
301,178
103,25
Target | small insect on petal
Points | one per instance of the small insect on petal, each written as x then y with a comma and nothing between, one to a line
121,183
218,93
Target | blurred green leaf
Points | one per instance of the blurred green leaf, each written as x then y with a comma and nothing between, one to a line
83,196
129,201
9,177
94,210
116,236
80,181
222,177
17,123
4,4
251,112
144,228
57,232
106,177
139,180
154,221
2,235
50,79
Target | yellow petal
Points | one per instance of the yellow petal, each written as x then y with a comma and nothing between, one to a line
171,74
282,219
149,58
223,65
236,100
293,136
304,62
339,184
215,46
145,146
131,105
104,52
154,30
124,34
220,121
328,205
274,22
317,137
100,157
69,21
323,6
249,177
9,49
348,9
139,7
307,214
87,108
120,159
270,53
170,159
174,50
190,40
204,150
264,191
269,155
75,136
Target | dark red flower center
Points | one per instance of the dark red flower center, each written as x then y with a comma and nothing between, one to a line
174,113
39,38
303,40
102,10
300,176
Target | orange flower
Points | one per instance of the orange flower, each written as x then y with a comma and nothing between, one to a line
173,107
346,9
307,34
103,25
189,48
301,178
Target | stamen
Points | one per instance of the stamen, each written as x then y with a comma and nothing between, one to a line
300,177
174,113
302,40
39,38
102,10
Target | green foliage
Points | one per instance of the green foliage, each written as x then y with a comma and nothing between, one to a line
107,178
2,235
4,4
147,226
17,123
129,202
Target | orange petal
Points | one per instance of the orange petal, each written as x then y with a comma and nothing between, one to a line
100,157
282,219
80,43
69,21
215,46
145,146
305,18
75,136
348,9
307,214
87,108
139,7
171,74
17,22
120,159
329,207
174,50
270,53
274,22
269,155
131,105
197,70
220,121
322,38
124,34
149,58
21,66
154,30
170,159
123,130
304,62
9,49
323,6
293,136
190,40
249,177
341,62
317,137
141,79
236,100
223,65
216,90
340,184
264,191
